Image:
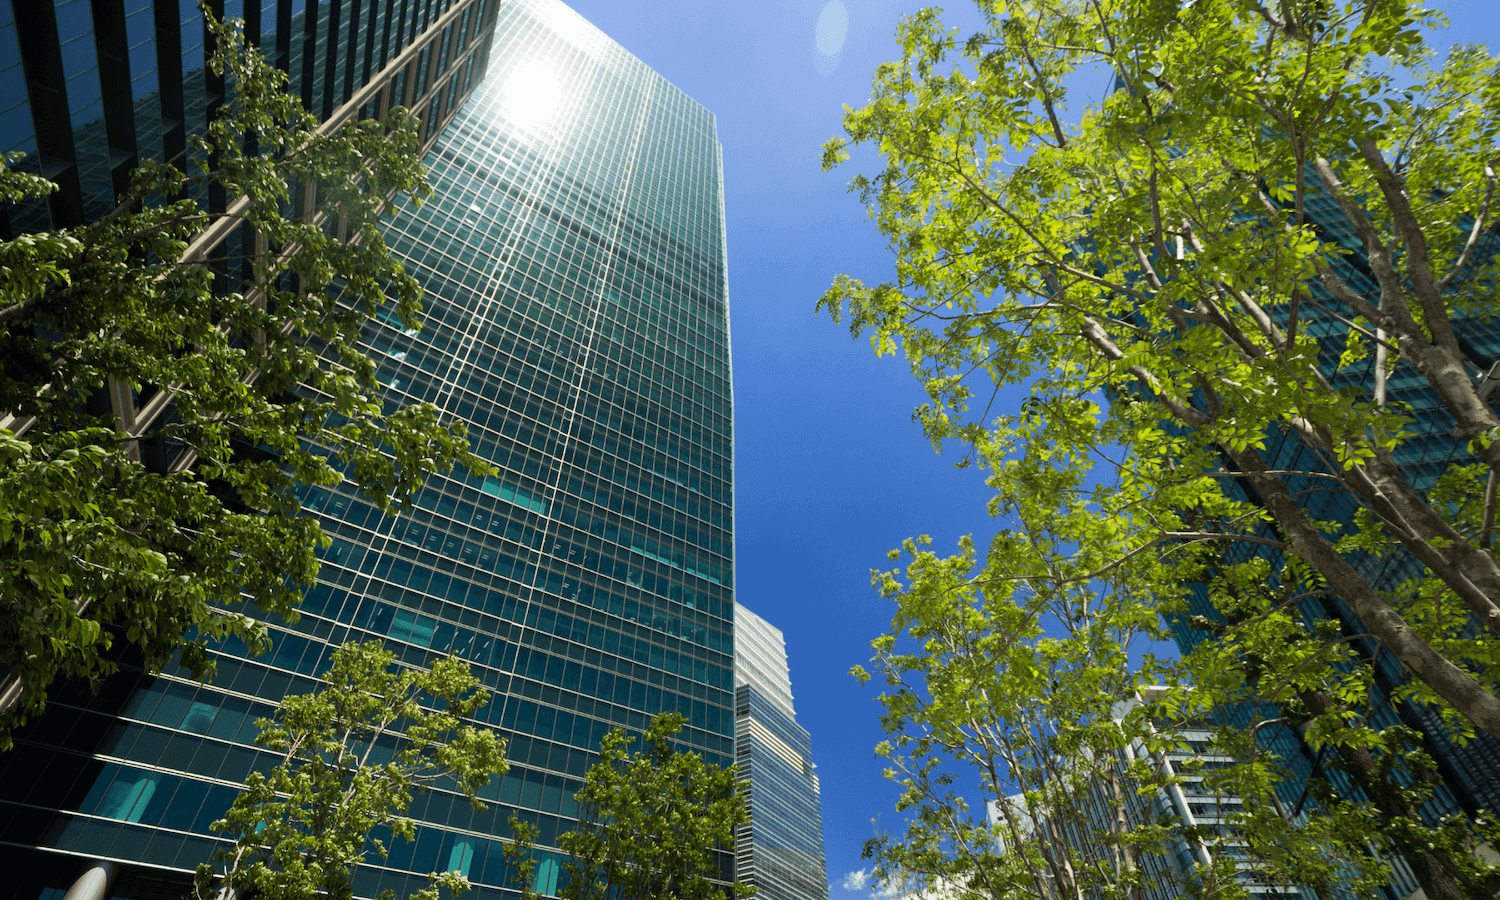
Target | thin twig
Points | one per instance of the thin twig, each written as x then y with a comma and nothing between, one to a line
1487,529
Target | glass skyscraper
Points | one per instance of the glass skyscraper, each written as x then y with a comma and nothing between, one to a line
577,318
1468,770
780,851
89,88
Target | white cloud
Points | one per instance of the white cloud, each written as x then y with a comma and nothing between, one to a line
898,887
902,888
890,890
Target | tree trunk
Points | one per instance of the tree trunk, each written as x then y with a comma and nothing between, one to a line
1438,874
1447,680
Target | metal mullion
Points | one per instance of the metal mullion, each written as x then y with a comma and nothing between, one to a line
331,57
46,89
351,53
251,11
309,51
169,81
383,104
386,48
401,37
445,47
112,47
429,71
214,89
283,55
370,43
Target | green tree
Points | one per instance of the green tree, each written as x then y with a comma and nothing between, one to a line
648,823
354,753
250,393
1156,249
1027,765
987,716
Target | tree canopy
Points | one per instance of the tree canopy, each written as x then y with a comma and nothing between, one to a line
353,754
1248,296
156,422
648,825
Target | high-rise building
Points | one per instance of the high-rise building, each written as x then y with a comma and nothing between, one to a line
577,318
780,851
1077,834
89,88
1468,769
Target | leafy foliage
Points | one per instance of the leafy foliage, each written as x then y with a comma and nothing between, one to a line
1220,290
1027,763
181,525
354,752
1009,675
648,823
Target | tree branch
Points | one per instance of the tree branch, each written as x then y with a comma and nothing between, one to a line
1474,233
1487,526
1220,536
1443,676
1382,264
1418,260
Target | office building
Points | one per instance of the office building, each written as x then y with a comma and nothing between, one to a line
577,318
1191,807
1077,831
780,851
90,88
1469,770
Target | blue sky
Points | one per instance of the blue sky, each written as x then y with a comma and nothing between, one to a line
829,471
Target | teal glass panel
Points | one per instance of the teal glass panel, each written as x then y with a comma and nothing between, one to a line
129,796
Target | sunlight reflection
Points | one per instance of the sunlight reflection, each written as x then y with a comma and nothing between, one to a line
531,96
832,28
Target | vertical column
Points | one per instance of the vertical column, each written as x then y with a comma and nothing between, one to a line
351,52
251,14
331,58
42,66
94,883
388,50
309,51
169,81
369,66
214,89
283,56
112,47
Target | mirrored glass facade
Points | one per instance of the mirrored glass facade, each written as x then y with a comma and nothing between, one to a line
576,317
1468,768
90,88
781,850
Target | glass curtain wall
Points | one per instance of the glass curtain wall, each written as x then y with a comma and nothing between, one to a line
577,318
780,851
1469,768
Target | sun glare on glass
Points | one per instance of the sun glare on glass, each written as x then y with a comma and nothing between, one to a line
531,96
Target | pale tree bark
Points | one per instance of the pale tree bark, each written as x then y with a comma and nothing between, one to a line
1450,682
